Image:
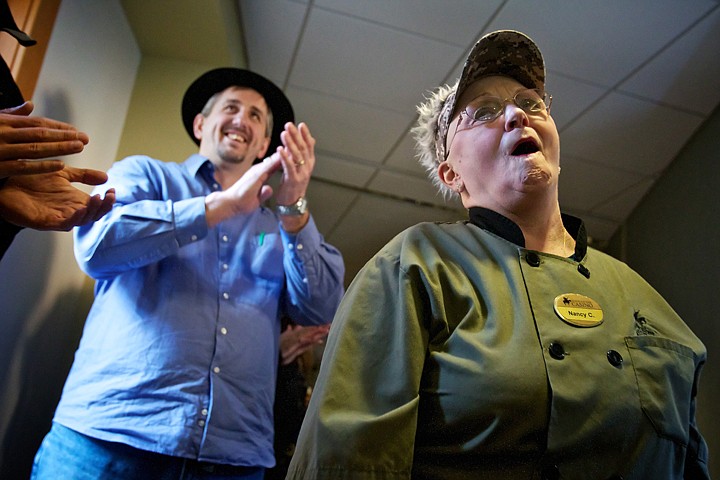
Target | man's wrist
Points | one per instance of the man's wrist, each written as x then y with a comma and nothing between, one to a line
215,209
296,209
292,224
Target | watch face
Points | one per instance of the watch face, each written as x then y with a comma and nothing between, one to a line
298,208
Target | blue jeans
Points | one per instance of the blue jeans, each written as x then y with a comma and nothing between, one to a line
68,455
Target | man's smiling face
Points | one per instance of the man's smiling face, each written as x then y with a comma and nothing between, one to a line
235,130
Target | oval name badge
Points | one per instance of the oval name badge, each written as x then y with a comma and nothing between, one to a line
578,310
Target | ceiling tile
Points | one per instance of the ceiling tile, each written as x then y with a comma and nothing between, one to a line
329,203
570,98
621,206
346,172
601,42
349,128
448,21
404,186
364,55
372,222
629,134
270,38
579,186
404,157
687,74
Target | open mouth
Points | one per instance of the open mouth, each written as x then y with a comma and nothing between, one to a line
525,147
236,137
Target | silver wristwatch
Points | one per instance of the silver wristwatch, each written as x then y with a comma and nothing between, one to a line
297,208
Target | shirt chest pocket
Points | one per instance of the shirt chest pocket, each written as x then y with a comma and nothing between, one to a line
665,371
264,258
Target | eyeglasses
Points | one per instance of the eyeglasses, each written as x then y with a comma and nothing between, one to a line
486,108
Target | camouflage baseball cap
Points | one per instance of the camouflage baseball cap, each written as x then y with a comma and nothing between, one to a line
504,52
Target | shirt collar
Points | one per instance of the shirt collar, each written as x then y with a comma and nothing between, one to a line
199,166
505,228
195,162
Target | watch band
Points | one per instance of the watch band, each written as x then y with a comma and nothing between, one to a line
296,209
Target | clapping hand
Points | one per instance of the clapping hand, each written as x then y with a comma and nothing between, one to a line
24,138
48,201
296,340
38,193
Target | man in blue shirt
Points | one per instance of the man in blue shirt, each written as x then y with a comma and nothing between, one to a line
175,373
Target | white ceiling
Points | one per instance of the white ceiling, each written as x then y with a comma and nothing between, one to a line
631,81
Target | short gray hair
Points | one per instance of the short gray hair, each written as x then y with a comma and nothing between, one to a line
427,135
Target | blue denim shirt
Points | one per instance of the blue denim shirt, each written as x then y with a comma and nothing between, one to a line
179,351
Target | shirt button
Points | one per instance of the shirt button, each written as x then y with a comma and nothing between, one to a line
614,358
299,246
216,369
193,238
290,246
584,271
216,186
226,295
532,259
557,351
225,266
225,238
204,412
223,330
201,423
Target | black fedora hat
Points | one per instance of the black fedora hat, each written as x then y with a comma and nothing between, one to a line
217,80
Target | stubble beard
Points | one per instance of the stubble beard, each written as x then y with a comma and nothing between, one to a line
228,155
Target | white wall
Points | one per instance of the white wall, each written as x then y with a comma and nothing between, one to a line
87,80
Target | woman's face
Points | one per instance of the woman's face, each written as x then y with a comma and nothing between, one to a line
497,162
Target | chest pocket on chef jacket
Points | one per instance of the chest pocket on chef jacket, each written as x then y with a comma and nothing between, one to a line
665,371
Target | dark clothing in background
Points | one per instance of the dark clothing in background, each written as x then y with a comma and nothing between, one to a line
289,411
